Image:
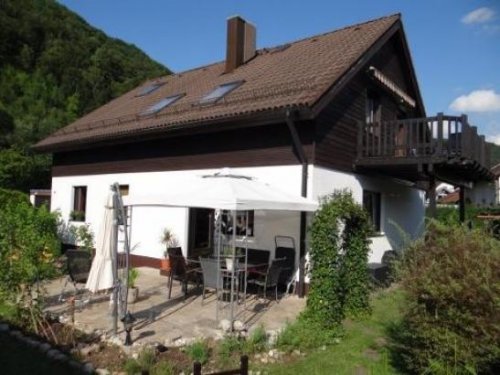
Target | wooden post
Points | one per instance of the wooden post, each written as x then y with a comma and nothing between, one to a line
244,365
431,193
440,124
197,368
462,204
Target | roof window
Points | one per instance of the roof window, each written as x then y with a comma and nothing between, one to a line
149,89
163,103
220,92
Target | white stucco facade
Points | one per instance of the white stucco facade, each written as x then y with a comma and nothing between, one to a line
402,207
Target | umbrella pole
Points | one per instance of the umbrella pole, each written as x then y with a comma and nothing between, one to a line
233,269
115,264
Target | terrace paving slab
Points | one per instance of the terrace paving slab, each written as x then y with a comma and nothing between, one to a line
177,321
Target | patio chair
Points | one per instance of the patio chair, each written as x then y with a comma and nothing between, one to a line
209,267
180,271
78,263
270,278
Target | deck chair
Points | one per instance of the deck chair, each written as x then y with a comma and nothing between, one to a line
78,263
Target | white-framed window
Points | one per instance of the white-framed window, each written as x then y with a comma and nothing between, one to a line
79,203
243,227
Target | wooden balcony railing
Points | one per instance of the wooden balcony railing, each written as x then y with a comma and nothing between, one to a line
431,139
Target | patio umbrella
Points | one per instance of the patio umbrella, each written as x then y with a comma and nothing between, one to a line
101,273
225,190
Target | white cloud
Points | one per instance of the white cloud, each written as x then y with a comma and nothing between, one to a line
477,101
493,139
480,15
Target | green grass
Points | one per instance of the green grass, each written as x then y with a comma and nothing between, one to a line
362,349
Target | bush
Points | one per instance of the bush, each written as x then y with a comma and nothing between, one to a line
305,335
198,351
339,255
452,283
257,341
28,248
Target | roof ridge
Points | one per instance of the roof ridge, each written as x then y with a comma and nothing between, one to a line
264,49
397,15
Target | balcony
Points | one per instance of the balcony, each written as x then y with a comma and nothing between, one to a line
445,147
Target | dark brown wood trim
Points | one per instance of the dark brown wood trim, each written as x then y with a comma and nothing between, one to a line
355,69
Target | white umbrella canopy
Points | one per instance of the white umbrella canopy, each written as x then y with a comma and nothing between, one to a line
227,191
101,272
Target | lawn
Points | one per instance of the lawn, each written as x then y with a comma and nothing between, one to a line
362,350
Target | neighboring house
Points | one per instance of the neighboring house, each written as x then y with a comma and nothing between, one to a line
323,113
39,197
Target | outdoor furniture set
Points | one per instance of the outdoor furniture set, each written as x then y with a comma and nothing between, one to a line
213,274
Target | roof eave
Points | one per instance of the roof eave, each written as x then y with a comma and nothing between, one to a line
260,118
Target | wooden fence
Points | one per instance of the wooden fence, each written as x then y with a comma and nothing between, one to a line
242,370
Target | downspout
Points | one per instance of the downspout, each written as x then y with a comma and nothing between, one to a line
297,145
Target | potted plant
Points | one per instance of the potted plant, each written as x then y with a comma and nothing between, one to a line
169,240
133,290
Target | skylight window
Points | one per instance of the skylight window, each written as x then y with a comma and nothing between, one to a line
164,103
149,89
220,92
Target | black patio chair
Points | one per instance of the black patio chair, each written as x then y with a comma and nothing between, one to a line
181,271
269,278
78,263
210,271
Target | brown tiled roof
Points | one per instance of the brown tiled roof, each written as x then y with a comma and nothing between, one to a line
451,198
294,75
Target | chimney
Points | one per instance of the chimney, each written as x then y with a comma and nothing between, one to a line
241,42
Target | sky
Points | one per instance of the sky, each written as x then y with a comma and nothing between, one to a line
455,44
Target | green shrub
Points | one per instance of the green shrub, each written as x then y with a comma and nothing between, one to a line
163,368
198,351
452,283
257,341
28,248
228,347
339,255
306,335
132,367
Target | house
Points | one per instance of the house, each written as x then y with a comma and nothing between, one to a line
337,110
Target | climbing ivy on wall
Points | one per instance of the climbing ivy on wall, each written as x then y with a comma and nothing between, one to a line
339,284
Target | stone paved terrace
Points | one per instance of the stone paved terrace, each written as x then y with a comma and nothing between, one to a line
175,321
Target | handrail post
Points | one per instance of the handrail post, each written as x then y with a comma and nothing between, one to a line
465,141
439,147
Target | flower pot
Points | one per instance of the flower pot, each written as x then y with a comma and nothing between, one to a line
133,295
165,264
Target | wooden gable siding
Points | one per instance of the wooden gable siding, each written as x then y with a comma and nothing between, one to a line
244,147
337,125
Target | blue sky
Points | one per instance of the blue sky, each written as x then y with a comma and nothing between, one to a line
455,44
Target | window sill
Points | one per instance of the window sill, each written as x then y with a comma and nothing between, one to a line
377,234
